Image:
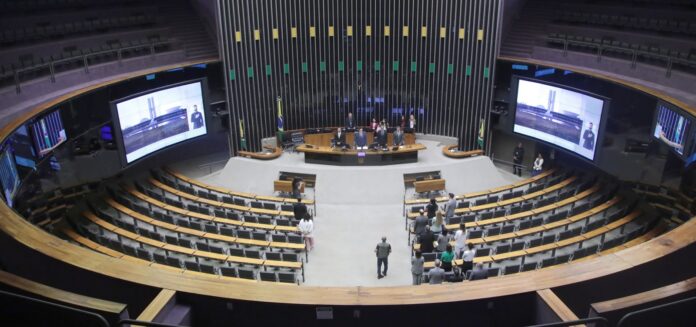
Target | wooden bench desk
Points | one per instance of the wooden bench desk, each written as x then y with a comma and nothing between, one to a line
429,185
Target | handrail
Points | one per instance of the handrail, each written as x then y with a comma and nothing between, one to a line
602,320
629,315
84,59
133,322
96,316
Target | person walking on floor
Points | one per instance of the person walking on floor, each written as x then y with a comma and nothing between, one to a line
517,158
417,263
306,227
382,251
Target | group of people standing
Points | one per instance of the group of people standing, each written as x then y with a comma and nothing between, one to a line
433,236
518,156
380,129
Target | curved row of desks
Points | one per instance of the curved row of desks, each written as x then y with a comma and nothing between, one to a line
275,154
452,152
34,238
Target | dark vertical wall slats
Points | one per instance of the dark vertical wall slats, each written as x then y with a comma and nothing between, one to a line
452,101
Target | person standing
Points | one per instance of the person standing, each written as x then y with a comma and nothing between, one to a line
443,240
196,118
412,122
447,257
426,241
437,225
432,208
450,206
589,138
299,209
468,258
420,223
538,165
374,124
460,240
382,251
517,158
398,137
360,139
339,139
403,122
417,263
349,121
306,227
437,274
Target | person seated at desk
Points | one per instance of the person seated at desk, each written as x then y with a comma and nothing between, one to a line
398,137
360,139
339,139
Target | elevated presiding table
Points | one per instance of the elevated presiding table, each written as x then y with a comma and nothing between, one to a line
351,157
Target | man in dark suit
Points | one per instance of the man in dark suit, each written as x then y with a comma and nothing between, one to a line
382,135
360,139
398,136
349,121
478,273
299,209
196,118
517,158
589,137
339,138
426,241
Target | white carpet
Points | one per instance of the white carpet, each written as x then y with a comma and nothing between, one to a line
356,206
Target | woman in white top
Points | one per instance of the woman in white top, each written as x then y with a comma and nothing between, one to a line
306,227
412,122
437,224
468,258
538,164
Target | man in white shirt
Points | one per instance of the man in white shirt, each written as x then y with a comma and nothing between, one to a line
306,227
460,240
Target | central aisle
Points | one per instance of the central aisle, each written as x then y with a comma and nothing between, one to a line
356,206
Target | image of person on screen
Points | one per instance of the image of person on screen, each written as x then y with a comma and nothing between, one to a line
360,139
589,138
196,118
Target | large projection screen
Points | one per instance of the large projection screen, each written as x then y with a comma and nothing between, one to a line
560,116
149,122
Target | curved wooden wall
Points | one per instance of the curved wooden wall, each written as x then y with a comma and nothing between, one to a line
33,237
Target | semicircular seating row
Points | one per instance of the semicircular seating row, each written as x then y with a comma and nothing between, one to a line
160,224
556,219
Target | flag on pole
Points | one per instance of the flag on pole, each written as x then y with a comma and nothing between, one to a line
242,142
481,133
279,100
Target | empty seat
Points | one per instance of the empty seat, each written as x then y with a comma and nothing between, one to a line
500,249
256,204
548,239
196,225
475,234
185,243
535,242
160,258
290,257
285,277
267,276
536,222
216,249
171,239
279,238
517,246
174,262
228,271
252,254
548,262
561,259
273,256
295,239
429,257
211,229
191,266
246,274
236,252
227,231
493,231
511,269
202,246
529,266
507,229
483,252
265,220
206,268
259,236
269,206
143,254
244,234
493,272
